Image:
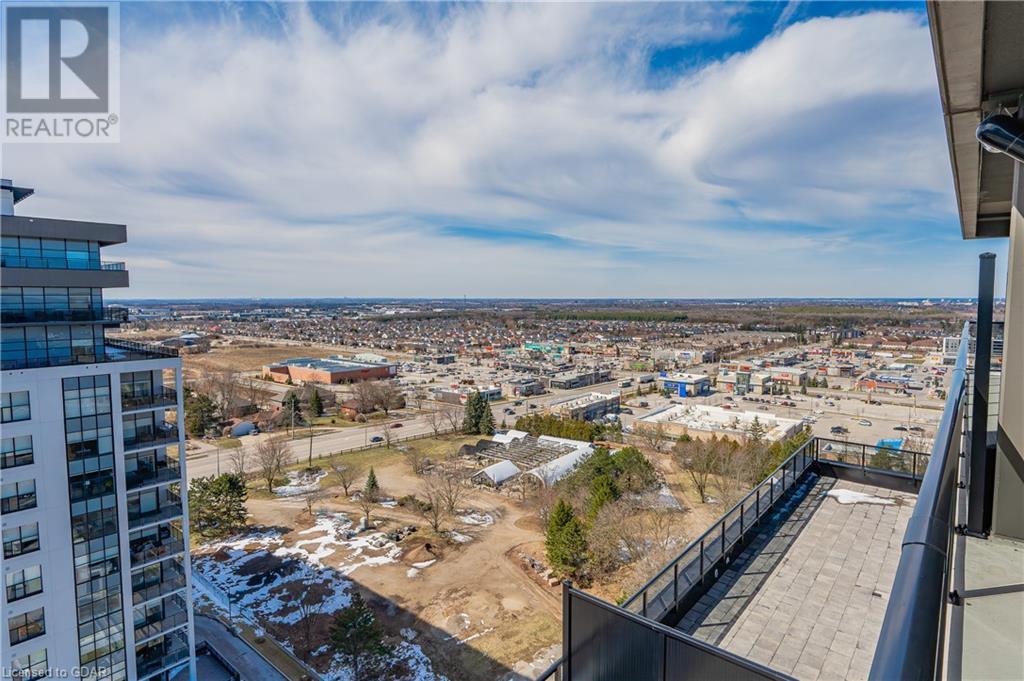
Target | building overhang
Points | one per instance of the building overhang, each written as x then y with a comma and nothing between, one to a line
979,57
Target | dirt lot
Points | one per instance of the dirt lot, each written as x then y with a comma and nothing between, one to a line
475,610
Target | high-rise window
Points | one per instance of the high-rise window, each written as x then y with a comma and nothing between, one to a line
24,583
94,526
30,666
17,496
15,451
14,406
21,540
26,626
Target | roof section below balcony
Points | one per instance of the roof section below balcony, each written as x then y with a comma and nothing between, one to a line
107,234
978,53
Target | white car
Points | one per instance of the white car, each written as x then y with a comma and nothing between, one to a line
864,422
819,412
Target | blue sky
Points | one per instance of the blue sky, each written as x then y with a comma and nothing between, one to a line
548,150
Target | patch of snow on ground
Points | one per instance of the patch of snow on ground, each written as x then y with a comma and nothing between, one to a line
475,518
666,499
409,654
459,537
424,564
300,482
848,496
411,573
409,634
389,503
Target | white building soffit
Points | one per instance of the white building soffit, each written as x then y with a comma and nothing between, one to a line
979,57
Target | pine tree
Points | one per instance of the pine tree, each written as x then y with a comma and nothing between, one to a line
486,423
316,407
603,490
471,420
371,489
357,637
757,431
217,505
566,543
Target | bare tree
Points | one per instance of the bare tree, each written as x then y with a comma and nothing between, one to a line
310,606
312,497
452,486
732,475
239,457
700,460
434,508
652,435
365,396
435,419
387,435
271,457
345,473
388,396
417,396
255,394
417,461
453,417
223,390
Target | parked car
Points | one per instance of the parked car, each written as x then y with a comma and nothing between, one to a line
728,399
838,430
899,427
396,425
917,429
518,403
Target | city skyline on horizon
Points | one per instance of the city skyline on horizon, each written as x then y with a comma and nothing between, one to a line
523,151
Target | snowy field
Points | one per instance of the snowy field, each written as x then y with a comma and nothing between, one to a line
276,584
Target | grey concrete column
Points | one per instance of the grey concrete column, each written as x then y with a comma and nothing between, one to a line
1008,516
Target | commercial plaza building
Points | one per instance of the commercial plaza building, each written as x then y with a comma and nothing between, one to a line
855,561
94,509
329,370
587,407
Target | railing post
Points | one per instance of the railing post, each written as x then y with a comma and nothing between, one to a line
757,508
982,460
723,538
863,455
643,601
675,586
702,561
566,631
741,521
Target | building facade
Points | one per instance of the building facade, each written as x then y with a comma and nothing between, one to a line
329,370
94,496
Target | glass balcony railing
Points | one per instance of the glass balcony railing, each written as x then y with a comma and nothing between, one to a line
161,542
162,433
39,263
112,350
160,504
152,657
151,474
170,581
171,614
97,315
160,396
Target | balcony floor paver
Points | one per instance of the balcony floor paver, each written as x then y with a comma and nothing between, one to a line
818,613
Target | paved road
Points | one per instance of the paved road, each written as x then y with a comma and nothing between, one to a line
205,461
247,661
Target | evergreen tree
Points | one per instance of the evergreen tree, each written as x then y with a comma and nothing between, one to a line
566,542
486,423
474,409
757,431
357,637
316,407
216,505
603,490
371,489
290,407
199,413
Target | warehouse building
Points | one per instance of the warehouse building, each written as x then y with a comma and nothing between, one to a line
570,380
685,385
334,369
589,407
701,421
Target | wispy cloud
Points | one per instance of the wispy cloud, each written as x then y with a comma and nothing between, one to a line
391,149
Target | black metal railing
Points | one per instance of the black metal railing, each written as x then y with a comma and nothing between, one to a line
172,615
606,643
142,350
151,659
665,590
865,457
910,645
170,582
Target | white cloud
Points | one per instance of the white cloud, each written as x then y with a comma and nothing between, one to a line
321,155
